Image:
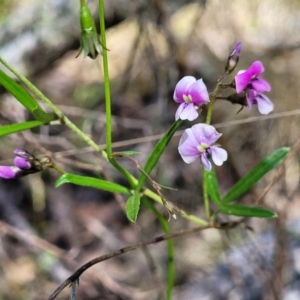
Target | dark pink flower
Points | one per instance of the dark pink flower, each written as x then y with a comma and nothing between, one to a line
250,79
198,142
191,94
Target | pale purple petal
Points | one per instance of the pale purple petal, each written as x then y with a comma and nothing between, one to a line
198,92
188,112
218,155
21,163
256,68
242,80
205,134
182,88
179,110
188,147
260,85
8,172
264,104
205,161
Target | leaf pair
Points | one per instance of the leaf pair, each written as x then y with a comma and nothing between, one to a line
243,185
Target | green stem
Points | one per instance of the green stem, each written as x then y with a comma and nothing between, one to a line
191,218
205,195
170,243
61,116
212,97
106,80
108,97
211,104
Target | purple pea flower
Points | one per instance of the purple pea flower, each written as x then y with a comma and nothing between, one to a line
198,141
250,82
191,94
250,79
9,172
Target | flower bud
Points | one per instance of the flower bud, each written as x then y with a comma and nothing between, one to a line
89,37
9,172
22,163
233,58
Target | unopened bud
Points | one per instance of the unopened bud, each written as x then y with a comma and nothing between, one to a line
89,37
233,58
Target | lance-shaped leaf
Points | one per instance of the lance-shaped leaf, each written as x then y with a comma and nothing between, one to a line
18,92
246,211
132,207
9,129
92,182
266,165
150,164
212,186
24,98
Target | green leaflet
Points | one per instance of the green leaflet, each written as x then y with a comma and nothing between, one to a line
213,186
18,92
92,182
133,206
9,129
24,98
266,165
246,211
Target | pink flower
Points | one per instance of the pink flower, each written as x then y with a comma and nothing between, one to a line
191,94
250,79
254,86
198,142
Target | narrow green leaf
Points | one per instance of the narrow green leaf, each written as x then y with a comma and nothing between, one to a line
92,182
9,129
157,151
133,207
131,152
18,92
246,211
43,116
266,165
213,186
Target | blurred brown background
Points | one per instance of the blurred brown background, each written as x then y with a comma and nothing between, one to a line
152,43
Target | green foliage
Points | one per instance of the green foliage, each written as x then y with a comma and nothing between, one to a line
133,206
18,92
266,165
150,164
92,182
246,211
9,129
25,98
213,186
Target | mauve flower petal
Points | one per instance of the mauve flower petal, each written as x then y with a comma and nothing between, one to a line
205,161
8,172
256,68
264,104
218,155
189,112
198,92
205,134
260,85
179,110
242,80
188,147
21,163
182,88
